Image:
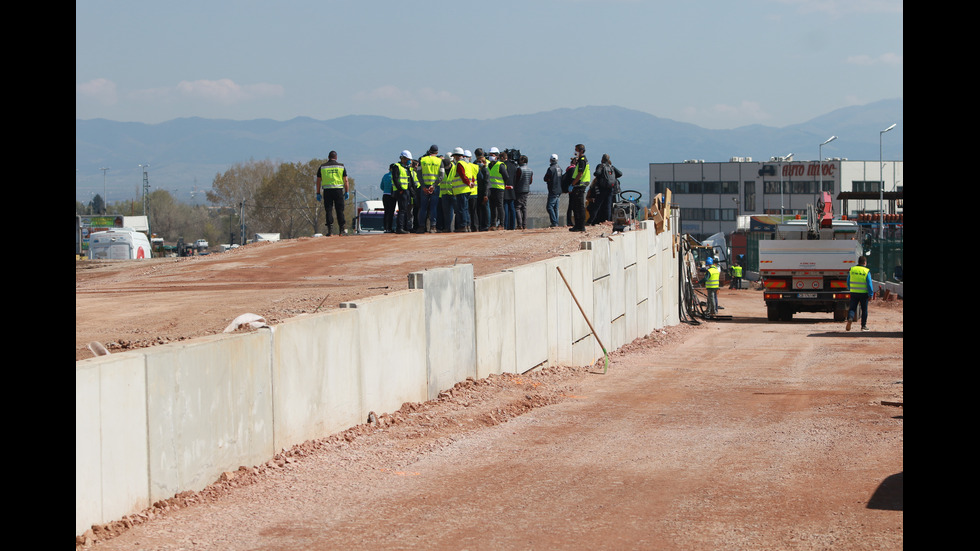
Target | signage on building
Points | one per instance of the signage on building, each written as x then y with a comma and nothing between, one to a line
808,169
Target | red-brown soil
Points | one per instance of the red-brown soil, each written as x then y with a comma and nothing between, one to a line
740,434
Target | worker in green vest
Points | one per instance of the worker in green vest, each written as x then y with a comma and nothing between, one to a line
861,287
581,178
456,203
403,183
736,277
428,196
498,179
332,188
712,282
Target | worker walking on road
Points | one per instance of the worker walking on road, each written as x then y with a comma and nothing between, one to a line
332,188
711,283
861,287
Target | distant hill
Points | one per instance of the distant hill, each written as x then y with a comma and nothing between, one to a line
187,153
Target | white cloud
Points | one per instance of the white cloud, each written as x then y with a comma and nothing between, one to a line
99,90
227,91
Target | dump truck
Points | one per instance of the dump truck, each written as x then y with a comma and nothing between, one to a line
805,267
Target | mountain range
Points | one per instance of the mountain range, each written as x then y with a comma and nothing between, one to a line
185,154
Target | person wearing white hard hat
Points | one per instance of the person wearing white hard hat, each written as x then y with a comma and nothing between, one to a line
498,181
553,179
403,181
457,204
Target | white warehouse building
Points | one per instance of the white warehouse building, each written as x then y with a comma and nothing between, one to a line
712,195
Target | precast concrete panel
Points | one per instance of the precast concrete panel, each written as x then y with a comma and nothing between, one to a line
316,376
111,479
496,327
559,320
450,314
580,349
629,247
630,315
209,409
531,305
392,347
602,314
644,313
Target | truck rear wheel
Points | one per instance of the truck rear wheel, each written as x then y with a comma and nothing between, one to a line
772,312
785,312
840,312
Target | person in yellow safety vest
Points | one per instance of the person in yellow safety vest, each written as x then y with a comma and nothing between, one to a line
711,283
498,180
862,289
403,181
427,198
736,277
457,204
581,177
332,188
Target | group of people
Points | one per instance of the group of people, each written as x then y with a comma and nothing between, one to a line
467,191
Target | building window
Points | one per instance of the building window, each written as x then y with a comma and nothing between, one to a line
748,204
867,186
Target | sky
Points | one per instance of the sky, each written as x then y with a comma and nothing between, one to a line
718,64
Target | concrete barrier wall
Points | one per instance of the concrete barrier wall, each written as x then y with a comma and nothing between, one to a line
208,409
153,423
316,376
450,329
111,478
496,326
531,315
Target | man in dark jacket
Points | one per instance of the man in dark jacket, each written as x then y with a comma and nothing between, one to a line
606,180
522,186
553,178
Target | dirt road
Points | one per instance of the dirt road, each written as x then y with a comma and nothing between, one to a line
741,434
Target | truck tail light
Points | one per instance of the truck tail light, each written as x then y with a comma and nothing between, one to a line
772,296
842,295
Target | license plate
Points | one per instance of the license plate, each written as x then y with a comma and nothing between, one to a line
806,295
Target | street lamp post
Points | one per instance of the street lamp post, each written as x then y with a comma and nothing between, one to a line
881,185
104,170
820,164
784,159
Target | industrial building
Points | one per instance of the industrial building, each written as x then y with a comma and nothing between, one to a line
711,196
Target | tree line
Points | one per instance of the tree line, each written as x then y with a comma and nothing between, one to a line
268,197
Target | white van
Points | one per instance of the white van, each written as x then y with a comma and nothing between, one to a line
118,244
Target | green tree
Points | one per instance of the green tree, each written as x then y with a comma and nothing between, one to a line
238,185
286,203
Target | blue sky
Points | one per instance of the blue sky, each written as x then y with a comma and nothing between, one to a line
714,63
